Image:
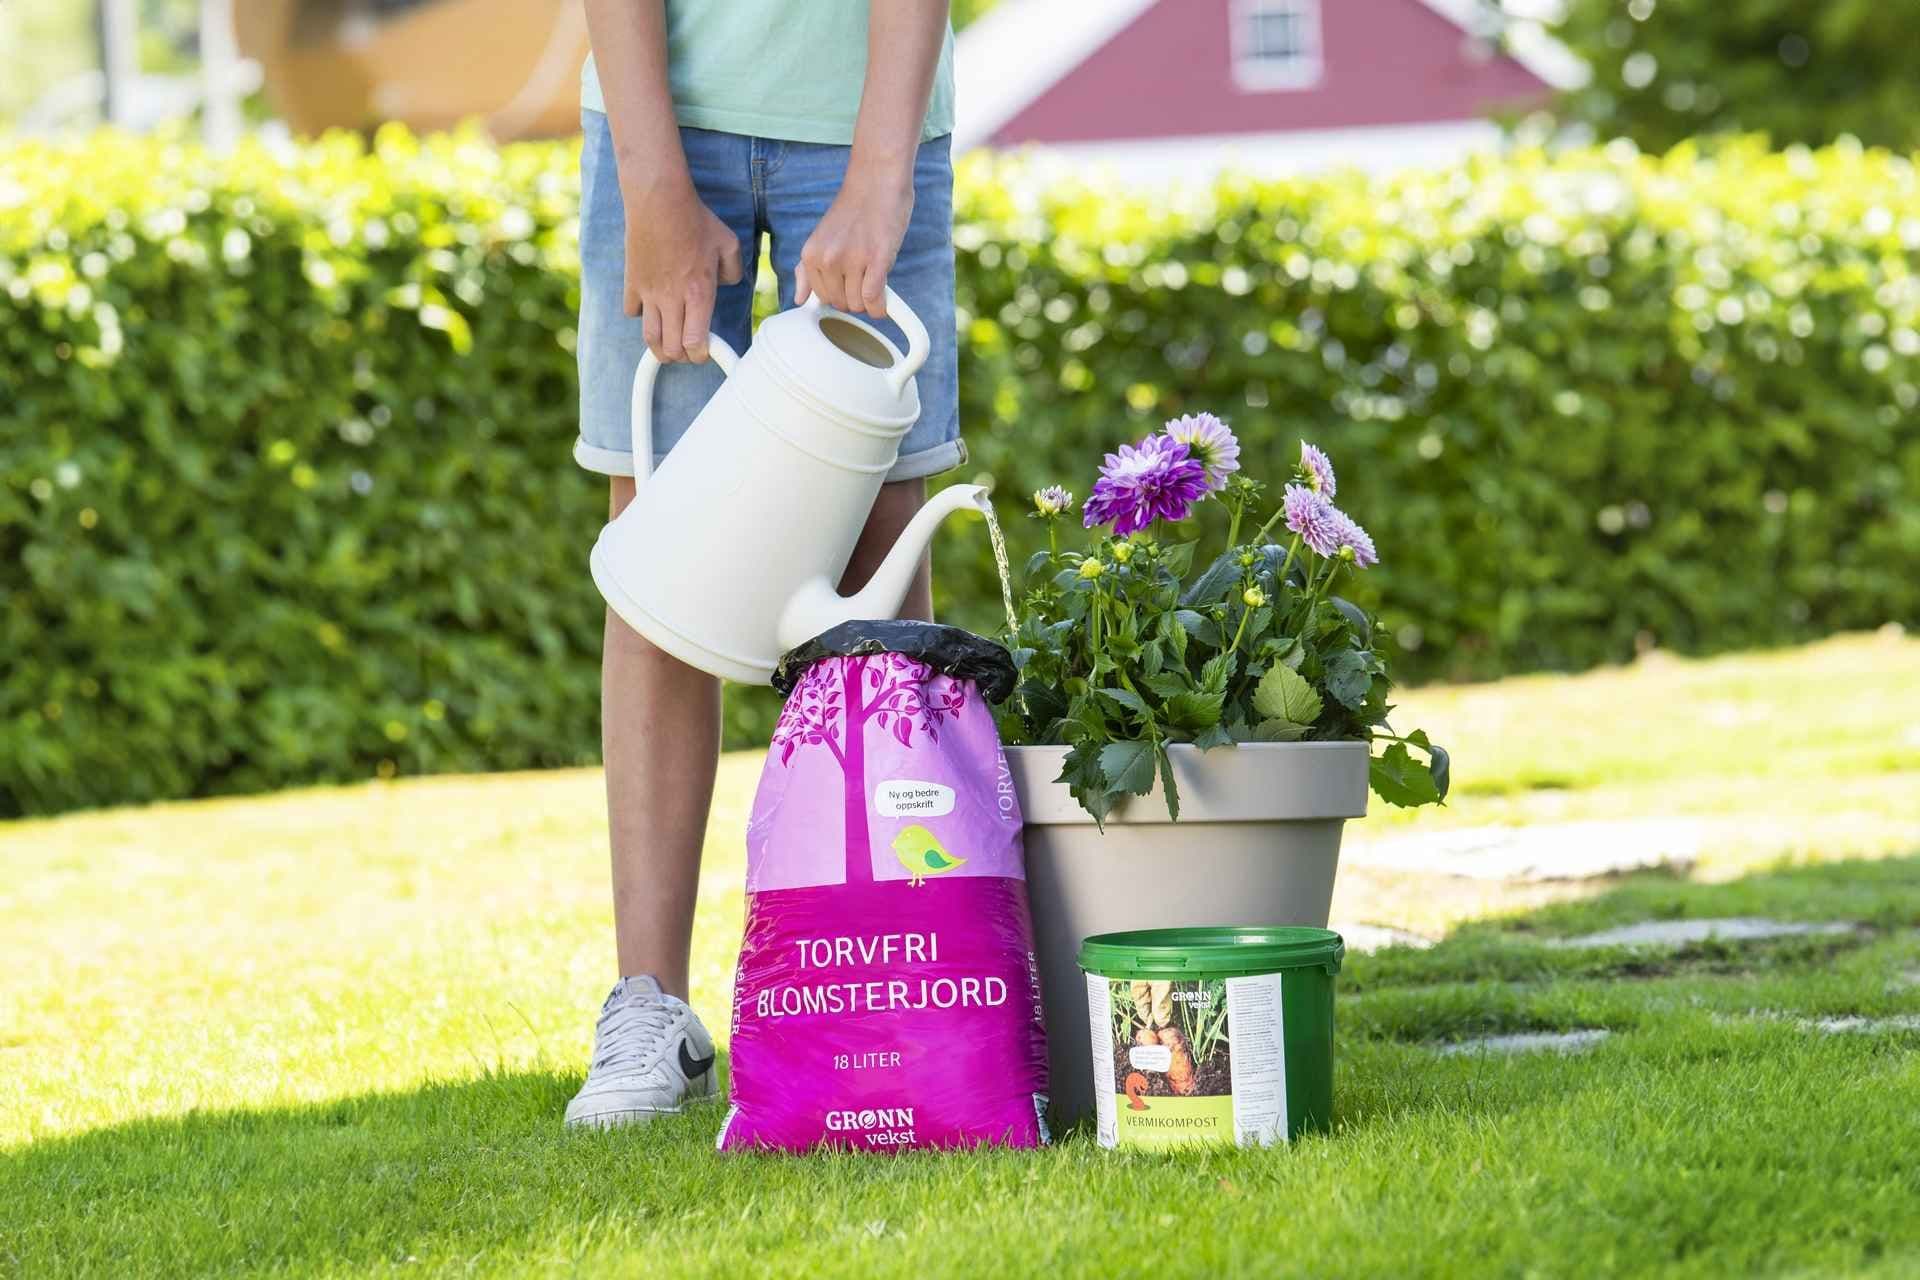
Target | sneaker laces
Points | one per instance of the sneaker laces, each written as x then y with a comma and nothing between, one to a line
633,1032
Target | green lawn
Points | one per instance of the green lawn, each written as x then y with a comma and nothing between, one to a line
330,1032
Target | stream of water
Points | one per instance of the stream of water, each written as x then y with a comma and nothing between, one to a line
999,541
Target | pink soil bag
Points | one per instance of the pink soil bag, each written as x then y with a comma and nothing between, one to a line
887,996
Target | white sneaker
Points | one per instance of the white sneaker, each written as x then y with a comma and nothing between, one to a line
650,1055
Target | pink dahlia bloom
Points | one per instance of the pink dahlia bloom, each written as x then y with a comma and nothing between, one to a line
1348,533
1211,443
1157,479
1318,470
1316,520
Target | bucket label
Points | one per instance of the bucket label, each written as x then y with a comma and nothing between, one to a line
1197,1061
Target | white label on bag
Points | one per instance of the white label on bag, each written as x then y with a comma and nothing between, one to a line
905,798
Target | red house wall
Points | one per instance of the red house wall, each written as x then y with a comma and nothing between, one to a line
1170,74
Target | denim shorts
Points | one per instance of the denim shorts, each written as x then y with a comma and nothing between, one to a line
755,186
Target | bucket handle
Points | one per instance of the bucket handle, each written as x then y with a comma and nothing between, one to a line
919,345
643,379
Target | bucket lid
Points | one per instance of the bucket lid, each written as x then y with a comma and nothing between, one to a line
1176,953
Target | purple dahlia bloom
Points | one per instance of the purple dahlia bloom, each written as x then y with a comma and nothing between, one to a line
1211,443
1318,470
1348,533
1316,520
1157,479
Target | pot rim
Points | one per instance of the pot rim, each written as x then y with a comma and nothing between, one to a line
1250,782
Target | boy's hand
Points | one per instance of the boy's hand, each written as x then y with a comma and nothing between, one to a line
848,256
678,253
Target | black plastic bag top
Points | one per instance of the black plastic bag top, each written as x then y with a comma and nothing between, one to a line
948,650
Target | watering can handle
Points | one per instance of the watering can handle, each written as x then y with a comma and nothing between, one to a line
643,380
919,345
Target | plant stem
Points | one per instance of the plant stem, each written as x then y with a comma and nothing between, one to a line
1240,630
1314,588
1278,511
1053,541
1293,549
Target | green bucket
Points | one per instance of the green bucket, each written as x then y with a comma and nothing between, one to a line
1211,1035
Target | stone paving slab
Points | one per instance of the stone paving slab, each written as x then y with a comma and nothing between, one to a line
1540,852
1529,1042
1863,1026
1365,939
1679,933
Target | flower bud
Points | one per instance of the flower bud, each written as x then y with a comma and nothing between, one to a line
1346,553
1091,568
1254,597
1051,501
1123,551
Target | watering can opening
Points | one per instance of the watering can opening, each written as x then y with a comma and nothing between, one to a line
859,341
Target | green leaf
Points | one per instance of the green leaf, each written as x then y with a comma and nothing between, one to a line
1200,627
1192,712
1128,766
1167,784
1168,685
1127,700
1348,678
1176,637
1278,730
1177,559
1038,561
1213,585
1439,763
1400,780
1217,672
1284,694
1356,617
1084,778
1215,736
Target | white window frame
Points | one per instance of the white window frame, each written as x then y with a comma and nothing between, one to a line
1258,74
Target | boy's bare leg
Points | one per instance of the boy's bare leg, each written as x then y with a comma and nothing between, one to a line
660,737
892,510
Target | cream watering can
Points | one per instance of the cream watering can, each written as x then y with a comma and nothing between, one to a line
730,553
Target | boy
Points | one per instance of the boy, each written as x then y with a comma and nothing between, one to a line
823,124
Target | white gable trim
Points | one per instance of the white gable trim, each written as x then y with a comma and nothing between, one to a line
1022,48
1527,42
1155,162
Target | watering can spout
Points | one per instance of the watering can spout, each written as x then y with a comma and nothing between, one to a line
818,605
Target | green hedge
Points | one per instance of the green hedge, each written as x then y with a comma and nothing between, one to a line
285,493
1584,404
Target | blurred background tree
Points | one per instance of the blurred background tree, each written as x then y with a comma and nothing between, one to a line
1668,70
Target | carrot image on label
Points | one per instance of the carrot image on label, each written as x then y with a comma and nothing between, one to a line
1136,1085
1180,1068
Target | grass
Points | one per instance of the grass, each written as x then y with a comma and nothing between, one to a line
330,1033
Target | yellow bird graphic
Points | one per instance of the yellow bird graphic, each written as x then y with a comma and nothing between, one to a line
922,855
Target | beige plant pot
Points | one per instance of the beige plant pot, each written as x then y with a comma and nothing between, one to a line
1257,843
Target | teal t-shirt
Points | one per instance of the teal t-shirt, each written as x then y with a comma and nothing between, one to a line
775,69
